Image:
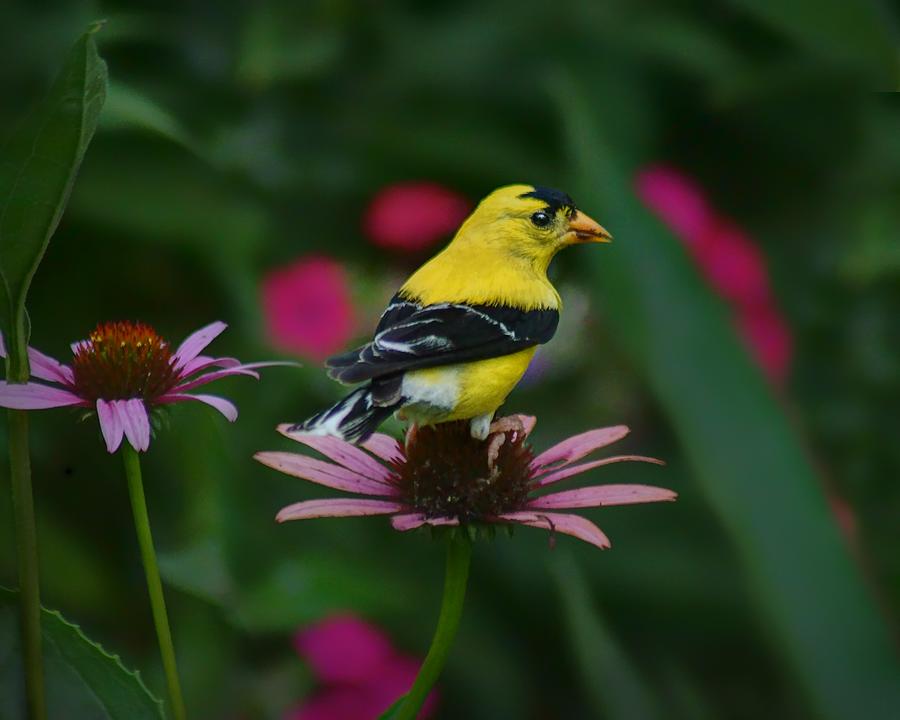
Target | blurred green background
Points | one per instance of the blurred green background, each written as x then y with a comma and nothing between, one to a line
239,137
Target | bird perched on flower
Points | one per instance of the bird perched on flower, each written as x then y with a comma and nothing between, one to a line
460,333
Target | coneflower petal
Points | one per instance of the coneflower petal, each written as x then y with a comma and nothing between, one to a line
411,521
384,446
337,507
135,422
195,342
324,473
602,495
226,407
343,453
577,446
570,470
565,523
34,396
110,424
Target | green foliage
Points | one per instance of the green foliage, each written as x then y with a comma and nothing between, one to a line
83,679
37,171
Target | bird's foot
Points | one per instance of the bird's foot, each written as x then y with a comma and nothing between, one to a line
510,423
480,426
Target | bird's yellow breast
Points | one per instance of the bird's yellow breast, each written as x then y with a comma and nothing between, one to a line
464,390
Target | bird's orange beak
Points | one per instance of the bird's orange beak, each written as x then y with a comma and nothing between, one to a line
583,229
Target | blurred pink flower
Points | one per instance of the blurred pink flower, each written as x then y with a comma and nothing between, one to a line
729,259
413,216
343,648
678,201
123,370
769,340
361,672
735,267
436,478
308,308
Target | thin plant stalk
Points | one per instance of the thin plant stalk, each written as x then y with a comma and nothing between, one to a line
27,562
154,584
459,555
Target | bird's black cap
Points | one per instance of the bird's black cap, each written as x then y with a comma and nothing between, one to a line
555,199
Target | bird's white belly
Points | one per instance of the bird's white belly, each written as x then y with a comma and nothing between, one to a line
430,394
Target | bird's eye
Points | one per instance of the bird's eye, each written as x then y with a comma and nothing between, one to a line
540,218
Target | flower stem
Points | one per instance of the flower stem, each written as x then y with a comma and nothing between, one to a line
154,584
459,555
27,561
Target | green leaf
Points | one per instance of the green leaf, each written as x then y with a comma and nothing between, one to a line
392,710
611,682
127,108
37,171
80,673
748,460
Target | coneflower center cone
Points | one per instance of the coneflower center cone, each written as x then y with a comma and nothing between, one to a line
448,473
121,360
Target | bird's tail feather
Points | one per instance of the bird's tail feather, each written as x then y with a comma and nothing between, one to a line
352,419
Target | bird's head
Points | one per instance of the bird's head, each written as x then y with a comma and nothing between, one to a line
531,221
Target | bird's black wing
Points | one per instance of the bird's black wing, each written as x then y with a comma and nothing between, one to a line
411,337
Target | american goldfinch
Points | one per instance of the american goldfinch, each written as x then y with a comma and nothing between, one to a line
458,336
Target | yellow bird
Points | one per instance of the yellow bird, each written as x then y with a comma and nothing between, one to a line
458,336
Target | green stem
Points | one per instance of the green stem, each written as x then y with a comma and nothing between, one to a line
154,584
459,554
27,561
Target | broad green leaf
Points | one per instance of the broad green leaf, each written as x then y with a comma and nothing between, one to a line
747,457
37,169
80,673
610,680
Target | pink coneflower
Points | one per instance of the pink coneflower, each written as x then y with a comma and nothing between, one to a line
360,671
123,371
413,216
308,308
443,476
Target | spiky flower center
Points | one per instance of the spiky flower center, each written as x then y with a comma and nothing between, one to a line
121,360
447,472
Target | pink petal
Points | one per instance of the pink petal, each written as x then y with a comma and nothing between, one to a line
202,362
135,421
195,342
769,338
350,456
602,495
574,525
411,521
337,507
34,396
571,470
344,648
324,473
577,446
735,266
110,424
339,702
45,367
384,446
218,374
224,406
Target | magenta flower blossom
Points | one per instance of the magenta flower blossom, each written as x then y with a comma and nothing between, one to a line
732,263
360,671
307,307
123,371
413,216
445,477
